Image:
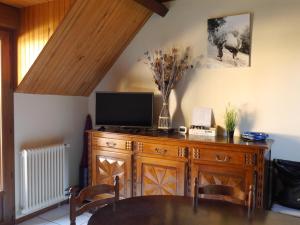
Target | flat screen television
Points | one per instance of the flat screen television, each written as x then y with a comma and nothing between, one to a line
127,109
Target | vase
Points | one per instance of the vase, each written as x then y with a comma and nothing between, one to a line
164,120
230,134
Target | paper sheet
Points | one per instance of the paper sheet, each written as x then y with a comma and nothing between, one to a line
202,117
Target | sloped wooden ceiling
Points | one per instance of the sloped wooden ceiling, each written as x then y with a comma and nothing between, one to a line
37,24
84,47
23,3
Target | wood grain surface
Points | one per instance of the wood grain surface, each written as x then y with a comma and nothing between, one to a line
177,210
37,24
84,47
167,164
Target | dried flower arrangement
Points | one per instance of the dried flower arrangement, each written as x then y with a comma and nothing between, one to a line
168,67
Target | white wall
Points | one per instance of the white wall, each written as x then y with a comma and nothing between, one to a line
267,93
49,119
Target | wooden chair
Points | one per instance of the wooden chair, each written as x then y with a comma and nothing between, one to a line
224,193
87,199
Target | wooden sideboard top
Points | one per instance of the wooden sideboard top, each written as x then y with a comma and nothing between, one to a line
184,139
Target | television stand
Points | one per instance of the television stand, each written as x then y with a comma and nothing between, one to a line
144,155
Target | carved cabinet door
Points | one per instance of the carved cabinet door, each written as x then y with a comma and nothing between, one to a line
155,176
107,165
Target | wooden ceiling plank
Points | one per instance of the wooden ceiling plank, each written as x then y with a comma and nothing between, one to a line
41,66
49,86
155,6
108,59
79,59
99,32
103,70
37,19
87,45
106,53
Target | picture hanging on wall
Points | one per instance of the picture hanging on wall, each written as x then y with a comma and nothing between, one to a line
229,41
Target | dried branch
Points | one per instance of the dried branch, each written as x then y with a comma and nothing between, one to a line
168,68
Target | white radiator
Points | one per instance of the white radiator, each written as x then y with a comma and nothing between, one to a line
42,177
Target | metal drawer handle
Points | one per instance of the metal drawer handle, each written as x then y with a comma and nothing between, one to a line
110,144
222,159
160,151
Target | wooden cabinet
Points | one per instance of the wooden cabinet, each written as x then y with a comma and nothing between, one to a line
156,164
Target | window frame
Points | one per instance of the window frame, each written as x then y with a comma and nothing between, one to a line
8,67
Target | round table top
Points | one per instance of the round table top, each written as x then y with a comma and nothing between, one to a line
179,210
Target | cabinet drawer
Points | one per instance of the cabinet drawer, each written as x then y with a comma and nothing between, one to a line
162,150
219,156
112,143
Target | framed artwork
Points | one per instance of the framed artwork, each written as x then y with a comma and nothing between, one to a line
229,41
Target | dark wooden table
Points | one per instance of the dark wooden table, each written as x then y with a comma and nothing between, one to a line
177,210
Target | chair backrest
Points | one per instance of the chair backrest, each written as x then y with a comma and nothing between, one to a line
87,198
225,193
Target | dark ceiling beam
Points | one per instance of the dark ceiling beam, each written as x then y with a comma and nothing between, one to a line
9,17
155,6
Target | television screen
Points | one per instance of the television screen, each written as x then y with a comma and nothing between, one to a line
124,109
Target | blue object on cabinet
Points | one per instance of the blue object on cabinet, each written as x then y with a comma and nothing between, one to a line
255,136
